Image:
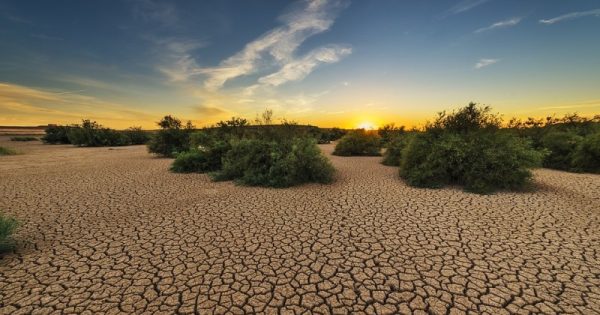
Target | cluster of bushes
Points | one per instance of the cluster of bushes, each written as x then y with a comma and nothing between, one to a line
23,138
359,143
467,148
8,226
172,138
326,135
7,151
572,142
261,155
91,134
56,134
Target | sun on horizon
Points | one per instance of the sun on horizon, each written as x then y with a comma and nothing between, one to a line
367,125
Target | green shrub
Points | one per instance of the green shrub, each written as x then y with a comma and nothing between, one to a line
171,139
23,138
433,161
136,136
56,134
7,151
389,132
586,157
498,161
561,146
257,162
467,148
358,143
336,134
92,134
394,149
201,159
8,226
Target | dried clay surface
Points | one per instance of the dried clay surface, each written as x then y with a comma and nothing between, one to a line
111,230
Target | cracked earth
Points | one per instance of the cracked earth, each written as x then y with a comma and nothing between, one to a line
113,231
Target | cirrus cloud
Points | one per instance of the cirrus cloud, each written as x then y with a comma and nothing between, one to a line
571,16
482,63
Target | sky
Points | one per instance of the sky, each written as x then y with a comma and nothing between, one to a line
329,63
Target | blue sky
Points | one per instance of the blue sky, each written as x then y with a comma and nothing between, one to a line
324,62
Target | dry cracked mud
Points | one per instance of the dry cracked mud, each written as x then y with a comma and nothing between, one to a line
113,231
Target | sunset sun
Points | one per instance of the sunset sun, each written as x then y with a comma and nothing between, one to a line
367,125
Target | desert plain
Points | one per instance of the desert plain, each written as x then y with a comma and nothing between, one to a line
111,230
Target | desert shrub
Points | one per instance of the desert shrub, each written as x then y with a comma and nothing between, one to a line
92,134
8,226
7,151
203,159
433,161
171,139
561,146
258,162
586,157
394,148
467,148
56,134
498,161
389,132
336,133
358,143
136,135
23,138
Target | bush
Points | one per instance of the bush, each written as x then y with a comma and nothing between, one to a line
389,132
56,134
23,138
136,136
561,146
394,149
91,134
499,161
257,162
586,157
430,161
358,143
201,159
8,226
171,139
7,151
467,148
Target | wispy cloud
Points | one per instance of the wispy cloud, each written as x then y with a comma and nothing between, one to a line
482,63
164,13
28,105
571,16
209,111
280,44
300,68
501,24
465,6
180,64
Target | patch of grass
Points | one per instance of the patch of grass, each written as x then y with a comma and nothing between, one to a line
358,143
8,226
23,138
7,151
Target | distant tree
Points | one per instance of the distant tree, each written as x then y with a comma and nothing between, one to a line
169,122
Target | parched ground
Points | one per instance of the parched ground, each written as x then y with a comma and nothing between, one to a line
112,230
